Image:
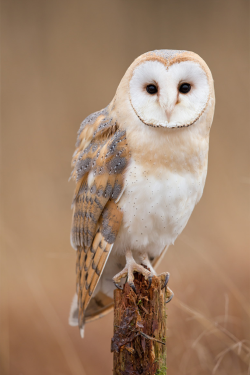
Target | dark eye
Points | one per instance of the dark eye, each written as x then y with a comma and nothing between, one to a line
151,89
185,88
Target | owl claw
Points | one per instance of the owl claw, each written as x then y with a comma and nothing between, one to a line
149,281
132,285
118,286
171,295
166,280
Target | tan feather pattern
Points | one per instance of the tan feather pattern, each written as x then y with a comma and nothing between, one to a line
99,163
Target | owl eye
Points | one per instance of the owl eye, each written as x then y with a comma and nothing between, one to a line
151,89
185,88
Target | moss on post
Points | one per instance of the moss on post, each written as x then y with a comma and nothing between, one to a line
139,342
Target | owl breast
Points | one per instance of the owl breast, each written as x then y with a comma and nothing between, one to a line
156,207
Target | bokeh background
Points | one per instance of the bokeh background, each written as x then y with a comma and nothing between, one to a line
60,61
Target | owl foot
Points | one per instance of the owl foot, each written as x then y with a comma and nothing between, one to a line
148,273
128,271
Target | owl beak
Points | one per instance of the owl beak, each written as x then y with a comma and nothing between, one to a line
169,108
168,103
168,114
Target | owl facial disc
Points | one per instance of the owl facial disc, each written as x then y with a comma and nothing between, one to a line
169,96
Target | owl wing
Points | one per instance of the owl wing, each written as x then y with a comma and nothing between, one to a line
99,163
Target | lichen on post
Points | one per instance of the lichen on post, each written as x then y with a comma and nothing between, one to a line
139,342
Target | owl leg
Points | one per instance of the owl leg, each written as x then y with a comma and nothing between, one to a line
146,262
129,269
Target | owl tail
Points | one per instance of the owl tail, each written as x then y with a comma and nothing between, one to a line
73,315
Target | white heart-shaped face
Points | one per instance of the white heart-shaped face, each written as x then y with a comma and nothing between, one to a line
169,107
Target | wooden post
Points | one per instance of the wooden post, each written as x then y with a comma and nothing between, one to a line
139,342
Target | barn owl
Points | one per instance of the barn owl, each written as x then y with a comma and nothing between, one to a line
140,167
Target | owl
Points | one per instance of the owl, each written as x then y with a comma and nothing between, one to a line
140,167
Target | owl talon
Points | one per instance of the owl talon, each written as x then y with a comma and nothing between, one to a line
149,281
169,291
166,280
118,286
132,286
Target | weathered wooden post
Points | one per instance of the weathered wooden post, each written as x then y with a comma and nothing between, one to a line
139,342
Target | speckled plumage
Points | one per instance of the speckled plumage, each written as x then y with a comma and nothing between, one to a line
136,185
99,161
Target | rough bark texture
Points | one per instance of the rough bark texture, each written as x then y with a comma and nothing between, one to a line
139,342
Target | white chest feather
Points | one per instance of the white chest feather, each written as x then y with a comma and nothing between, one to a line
156,207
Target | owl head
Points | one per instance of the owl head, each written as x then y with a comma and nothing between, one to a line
167,89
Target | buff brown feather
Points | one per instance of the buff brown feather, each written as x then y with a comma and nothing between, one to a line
99,164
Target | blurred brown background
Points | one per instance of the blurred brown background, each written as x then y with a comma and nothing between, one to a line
62,60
